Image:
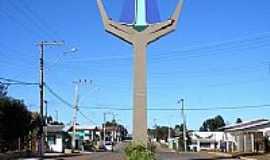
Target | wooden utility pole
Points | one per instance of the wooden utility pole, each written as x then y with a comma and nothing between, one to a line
75,110
41,98
184,125
42,46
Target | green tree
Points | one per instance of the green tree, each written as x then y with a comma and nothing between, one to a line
3,89
178,132
119,127
213,124
239,120
162,132
15,122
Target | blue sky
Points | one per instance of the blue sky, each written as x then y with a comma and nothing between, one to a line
219,56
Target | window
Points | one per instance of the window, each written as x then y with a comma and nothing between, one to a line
51,139
205,145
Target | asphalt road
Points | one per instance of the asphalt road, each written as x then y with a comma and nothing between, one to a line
187,156
98,156
160,156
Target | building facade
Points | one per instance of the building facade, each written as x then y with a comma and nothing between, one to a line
84,134
249,136
210,141
54,138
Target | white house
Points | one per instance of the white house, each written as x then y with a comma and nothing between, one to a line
83,134
249,136
209,140
54,138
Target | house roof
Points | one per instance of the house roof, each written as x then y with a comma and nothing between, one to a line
54,128
207,136
247,125
81,127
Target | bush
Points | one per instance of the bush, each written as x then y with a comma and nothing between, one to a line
139,152
89,146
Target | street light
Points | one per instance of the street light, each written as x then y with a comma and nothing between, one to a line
70,51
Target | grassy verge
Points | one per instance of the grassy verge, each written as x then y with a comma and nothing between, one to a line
136,151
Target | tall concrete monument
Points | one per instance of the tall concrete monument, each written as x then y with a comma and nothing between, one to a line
140,33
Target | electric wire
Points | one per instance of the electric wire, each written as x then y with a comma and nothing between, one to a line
16,82
127,108
69,105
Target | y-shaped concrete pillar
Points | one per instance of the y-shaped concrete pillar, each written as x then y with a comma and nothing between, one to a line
140,36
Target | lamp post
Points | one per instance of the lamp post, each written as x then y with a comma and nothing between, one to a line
42,46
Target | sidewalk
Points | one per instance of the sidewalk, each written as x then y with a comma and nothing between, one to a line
260,157
27,156
221,154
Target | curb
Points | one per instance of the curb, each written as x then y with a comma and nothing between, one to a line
245,158
226,155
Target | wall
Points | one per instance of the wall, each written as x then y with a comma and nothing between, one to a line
58,146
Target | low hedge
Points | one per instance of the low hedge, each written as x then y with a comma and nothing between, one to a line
139,152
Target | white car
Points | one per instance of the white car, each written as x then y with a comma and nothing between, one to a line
108,145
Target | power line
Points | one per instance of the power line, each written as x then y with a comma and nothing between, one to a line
38,18
83,115
66,102
127,108
16,82
20,24
30,17
25,84
214,50
259,40
58,97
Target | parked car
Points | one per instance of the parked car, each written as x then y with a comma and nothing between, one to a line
109,146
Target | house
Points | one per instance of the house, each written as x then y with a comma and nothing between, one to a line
113,133
54,138
84,133
249,136
209,140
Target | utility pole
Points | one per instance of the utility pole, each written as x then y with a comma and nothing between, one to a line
56,115
169,132
104,128
156,127
46,112
184,124
41,98
46,119
75,109
42,46
114,128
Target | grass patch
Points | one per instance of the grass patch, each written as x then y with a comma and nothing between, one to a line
136,151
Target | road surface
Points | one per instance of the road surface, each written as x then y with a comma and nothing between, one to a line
162,154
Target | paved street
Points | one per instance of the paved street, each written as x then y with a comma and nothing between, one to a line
187,156
163,154
160,156
99,156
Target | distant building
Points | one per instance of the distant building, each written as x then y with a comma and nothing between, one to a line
249,136
54,137
84,133
209,141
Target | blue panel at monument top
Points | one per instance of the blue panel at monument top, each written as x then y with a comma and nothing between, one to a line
128,12
152,11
